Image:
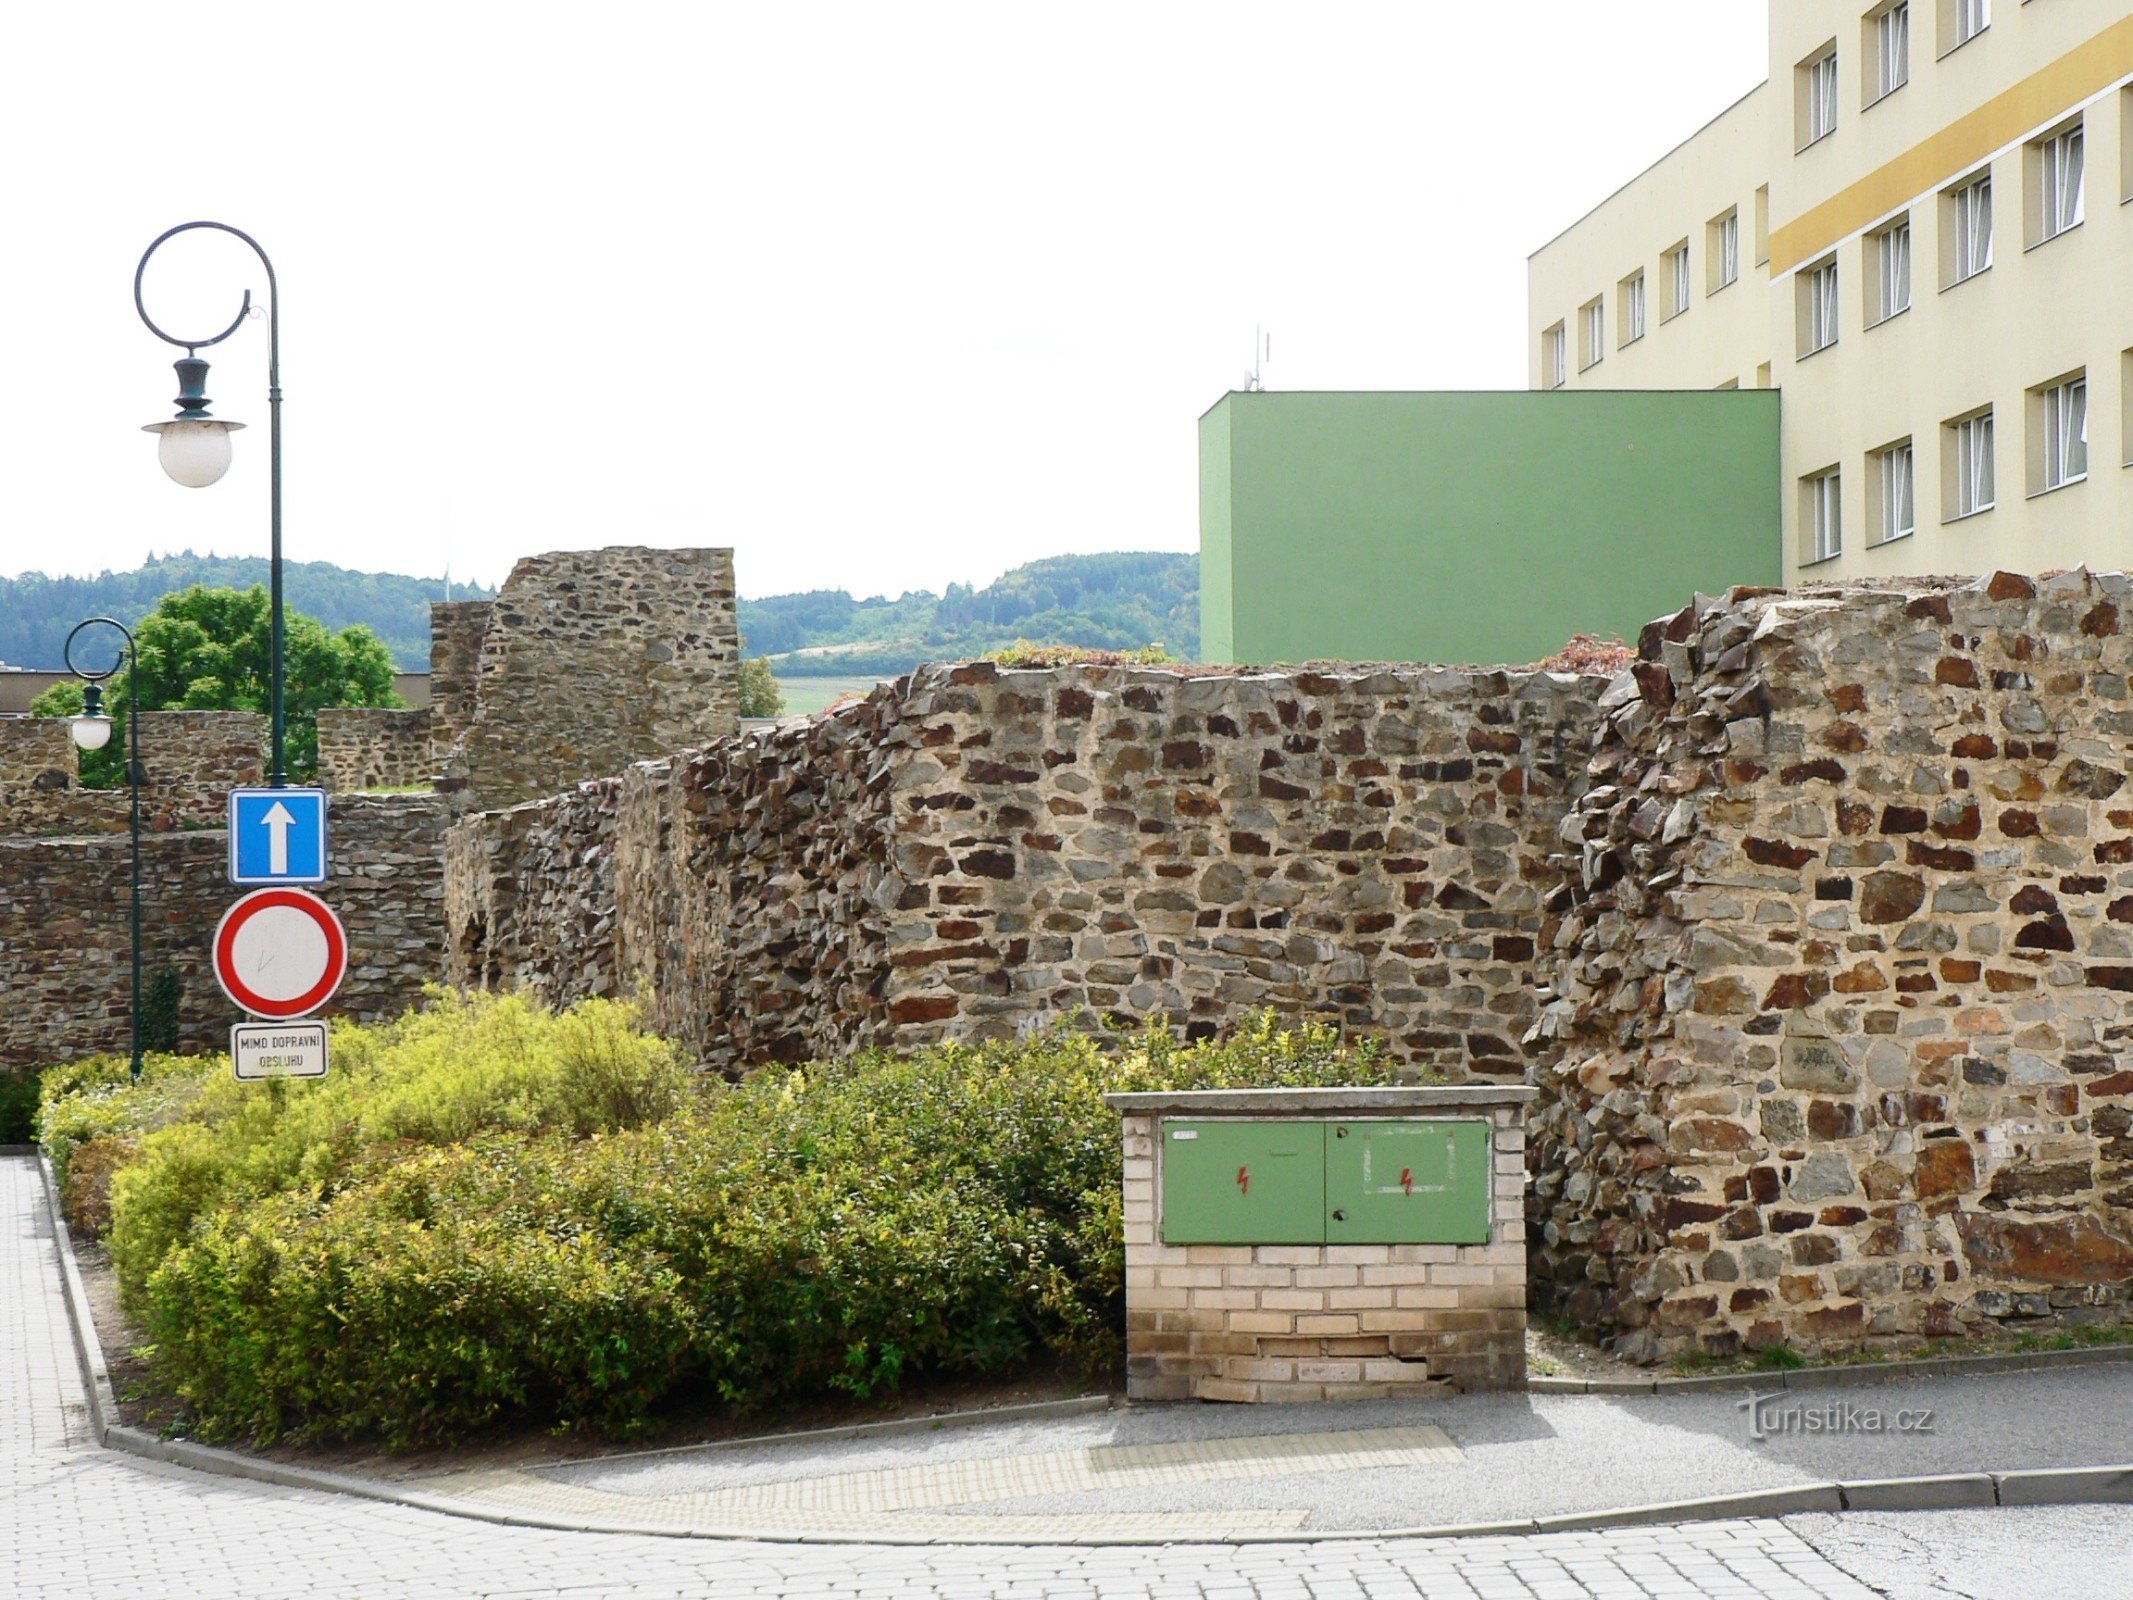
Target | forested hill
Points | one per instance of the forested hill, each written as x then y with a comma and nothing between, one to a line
1103,602
36,611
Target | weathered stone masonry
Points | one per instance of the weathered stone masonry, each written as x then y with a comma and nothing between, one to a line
974,850
1840,1029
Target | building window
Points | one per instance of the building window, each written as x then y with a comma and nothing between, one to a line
1594,319
1722,251
1677,281
2125,403
2059,433
1966,215
1816,80
1967,475
1895,492
1822,515
1762,226
1631,300
1888,40
2056,183
1961,21
1818,307
1555,357
1889,254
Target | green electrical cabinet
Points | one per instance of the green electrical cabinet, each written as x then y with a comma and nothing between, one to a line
1353,1182
1407,1183
1244,1182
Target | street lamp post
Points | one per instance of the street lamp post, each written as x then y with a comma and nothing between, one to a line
195,445
92,731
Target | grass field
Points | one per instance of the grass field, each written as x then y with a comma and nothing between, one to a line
813,694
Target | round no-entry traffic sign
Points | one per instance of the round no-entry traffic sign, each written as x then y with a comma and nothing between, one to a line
280,953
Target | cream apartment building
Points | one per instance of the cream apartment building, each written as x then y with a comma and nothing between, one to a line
1920,228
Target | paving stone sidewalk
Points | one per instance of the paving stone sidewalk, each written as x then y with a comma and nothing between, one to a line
77,1521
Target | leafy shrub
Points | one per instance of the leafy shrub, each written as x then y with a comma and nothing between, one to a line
18,1107
96,1098
497,1213
85,1195
1024,654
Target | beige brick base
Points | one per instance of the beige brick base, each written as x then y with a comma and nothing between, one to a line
1329,1322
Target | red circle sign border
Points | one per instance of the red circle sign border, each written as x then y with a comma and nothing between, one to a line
311,999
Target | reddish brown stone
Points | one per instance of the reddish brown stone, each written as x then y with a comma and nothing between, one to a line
1958,672
2102,620
2010,586
2070,1250
1864,978
919,1008
1776,853
1890,897
1940,857
1903,819
1974,747
1945,1166
2047,933
1794,990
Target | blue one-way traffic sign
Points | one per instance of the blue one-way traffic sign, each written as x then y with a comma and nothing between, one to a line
277,836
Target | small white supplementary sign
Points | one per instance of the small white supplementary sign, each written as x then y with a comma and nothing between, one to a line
1186,1133
261,1050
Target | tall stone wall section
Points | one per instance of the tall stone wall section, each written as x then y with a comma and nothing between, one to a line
191,760
374,747
457,628
973,851
1840,1020
65,930
592,659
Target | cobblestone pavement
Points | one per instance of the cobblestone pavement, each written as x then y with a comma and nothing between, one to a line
85,1524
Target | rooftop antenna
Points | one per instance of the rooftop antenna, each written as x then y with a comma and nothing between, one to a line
1262,353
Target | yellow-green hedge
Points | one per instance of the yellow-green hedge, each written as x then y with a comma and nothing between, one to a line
496,1213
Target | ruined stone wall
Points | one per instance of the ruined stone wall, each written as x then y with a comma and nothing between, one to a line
373,747
65,933
457,628
593,659
974,850
1841,1017
191,759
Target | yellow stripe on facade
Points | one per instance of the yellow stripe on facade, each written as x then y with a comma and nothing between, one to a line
2073,78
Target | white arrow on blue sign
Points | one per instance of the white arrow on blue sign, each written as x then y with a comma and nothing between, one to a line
277,836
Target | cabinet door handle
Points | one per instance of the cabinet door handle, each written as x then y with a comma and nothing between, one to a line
1340,1216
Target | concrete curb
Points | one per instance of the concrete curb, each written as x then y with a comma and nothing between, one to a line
2037,1487
1851,1377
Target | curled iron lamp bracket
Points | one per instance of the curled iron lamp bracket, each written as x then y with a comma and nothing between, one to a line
110,671
189,346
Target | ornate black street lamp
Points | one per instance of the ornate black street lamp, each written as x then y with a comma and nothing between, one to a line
92,731
195,445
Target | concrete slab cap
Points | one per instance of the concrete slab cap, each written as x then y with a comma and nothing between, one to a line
2062,1486
1756,1503
1321,1102
1951,1492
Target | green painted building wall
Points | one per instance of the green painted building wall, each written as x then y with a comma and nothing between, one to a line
1485,527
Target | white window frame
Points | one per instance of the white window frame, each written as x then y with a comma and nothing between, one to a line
2064,419
1970,228
1822,511
1818,307
1680,286
1818,97
1892,269
1592,333
1896,492
1892,50
1973,476
1633,307
1964,20
1555,356
2061,178
1724,267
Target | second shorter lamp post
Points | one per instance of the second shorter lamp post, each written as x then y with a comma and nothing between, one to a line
92,731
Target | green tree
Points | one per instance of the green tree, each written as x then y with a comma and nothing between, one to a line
760,694
211,650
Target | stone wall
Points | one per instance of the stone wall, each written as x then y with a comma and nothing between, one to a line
973,851
592,659
191,760
457,628
372,747
1840,1020
65,929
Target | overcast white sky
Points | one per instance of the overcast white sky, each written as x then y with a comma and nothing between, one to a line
884,296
